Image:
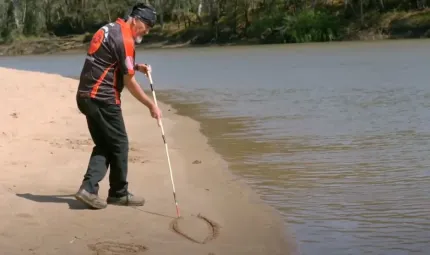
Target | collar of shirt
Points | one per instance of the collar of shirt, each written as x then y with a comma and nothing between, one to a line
126,27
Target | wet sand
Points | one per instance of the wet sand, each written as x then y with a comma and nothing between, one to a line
45,147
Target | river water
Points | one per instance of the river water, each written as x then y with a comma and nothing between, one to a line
335,136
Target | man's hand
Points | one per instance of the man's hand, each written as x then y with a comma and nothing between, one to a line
155,113
143,68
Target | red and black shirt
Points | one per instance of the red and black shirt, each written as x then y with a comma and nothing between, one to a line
111,55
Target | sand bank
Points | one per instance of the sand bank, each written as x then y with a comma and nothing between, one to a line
45,146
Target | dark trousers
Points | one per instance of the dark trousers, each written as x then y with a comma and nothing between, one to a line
107,129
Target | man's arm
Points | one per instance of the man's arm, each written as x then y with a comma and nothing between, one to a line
135,89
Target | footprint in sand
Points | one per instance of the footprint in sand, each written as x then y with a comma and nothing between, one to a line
24,215
114,248
27,218
137,159
136,153
80,144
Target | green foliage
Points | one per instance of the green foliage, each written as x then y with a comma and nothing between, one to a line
264,26
311,26
218,21
305,26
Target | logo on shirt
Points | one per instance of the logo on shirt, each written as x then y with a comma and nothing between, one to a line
96,41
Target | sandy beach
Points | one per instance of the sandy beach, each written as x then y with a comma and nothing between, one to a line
45,148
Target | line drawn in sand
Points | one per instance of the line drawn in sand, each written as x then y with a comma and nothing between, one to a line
213,229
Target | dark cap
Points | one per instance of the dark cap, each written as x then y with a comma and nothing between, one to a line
144,12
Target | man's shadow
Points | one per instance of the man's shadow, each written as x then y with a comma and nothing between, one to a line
69,199
73,203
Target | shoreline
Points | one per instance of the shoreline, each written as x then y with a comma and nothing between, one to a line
4,49
76,44
57,145
52,46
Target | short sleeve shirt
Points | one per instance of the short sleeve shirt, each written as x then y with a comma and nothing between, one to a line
110,56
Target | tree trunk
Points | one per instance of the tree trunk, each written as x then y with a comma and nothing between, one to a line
107,10
15,14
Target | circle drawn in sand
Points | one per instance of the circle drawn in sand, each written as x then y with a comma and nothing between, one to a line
212,231
114,248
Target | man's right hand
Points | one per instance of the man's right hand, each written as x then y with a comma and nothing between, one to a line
144,68
155,112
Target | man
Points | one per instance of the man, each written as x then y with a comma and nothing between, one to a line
109,66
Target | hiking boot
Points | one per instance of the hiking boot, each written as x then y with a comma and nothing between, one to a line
128,200
92,200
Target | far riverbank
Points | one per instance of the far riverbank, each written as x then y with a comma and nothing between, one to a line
391,25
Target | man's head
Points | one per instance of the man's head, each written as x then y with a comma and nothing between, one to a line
142,19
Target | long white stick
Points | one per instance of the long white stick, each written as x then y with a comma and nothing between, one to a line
165,144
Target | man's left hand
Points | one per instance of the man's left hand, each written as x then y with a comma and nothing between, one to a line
144,68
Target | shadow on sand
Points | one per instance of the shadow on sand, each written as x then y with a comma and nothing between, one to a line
69,199
72,202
